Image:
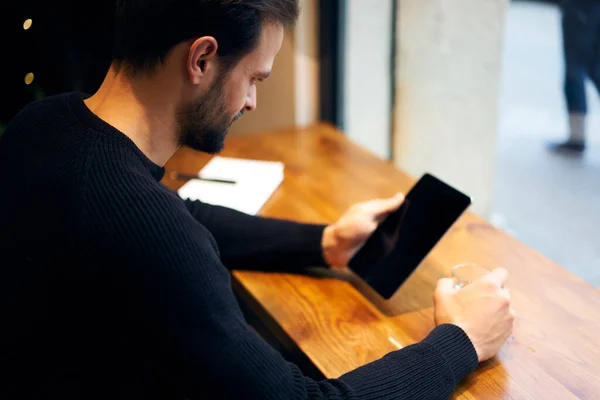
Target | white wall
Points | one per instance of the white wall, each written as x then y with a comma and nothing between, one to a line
307,63
367,75
447,92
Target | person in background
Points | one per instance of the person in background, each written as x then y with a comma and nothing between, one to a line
113,287
581,44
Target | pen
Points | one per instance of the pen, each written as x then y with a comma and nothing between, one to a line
185,177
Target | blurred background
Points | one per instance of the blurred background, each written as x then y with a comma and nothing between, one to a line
468,90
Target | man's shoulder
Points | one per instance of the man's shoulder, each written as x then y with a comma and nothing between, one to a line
48,106
135,226
42,155
45,129
126,189
128,204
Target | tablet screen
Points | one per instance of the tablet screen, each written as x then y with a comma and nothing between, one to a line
407,235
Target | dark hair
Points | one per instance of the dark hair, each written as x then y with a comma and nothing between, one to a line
146,30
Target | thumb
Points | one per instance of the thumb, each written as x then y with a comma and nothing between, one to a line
499,276
395,201
382,207
445,286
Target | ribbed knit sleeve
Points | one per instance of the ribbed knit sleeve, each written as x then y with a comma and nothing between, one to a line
253,242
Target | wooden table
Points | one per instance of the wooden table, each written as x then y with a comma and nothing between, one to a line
338,323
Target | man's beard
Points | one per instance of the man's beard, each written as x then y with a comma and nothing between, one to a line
203,124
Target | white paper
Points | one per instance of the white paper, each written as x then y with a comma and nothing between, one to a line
255,182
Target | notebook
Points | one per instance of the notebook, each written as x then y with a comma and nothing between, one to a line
255,182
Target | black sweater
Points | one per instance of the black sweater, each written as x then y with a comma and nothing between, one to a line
113,287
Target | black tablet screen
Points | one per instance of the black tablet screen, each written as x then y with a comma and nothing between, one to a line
407,235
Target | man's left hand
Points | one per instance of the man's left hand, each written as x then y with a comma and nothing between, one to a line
342,240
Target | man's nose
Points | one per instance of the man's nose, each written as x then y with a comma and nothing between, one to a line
251,100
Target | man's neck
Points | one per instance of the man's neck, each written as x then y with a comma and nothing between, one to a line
140,109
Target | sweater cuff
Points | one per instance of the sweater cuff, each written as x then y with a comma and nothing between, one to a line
456,348
431,369
311,246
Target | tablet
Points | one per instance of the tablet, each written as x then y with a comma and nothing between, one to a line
406,236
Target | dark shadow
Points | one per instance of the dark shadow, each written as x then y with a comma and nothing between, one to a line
67,47
275,337
415,294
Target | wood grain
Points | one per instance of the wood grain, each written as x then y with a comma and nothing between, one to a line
339,323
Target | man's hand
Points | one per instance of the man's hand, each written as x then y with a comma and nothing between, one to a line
344,238
482,309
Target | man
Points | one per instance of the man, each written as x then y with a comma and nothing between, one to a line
116,288
581,45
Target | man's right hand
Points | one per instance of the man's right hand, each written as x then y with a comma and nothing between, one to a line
482,309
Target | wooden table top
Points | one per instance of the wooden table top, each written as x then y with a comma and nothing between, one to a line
339,323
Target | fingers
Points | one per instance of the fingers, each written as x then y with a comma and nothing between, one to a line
498,277
381,207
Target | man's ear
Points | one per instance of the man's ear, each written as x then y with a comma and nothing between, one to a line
202,57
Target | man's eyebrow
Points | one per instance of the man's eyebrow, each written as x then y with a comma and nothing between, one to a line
263,75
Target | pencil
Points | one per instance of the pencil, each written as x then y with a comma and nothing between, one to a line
185,177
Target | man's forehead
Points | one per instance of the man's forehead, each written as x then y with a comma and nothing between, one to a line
260,60
259,66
